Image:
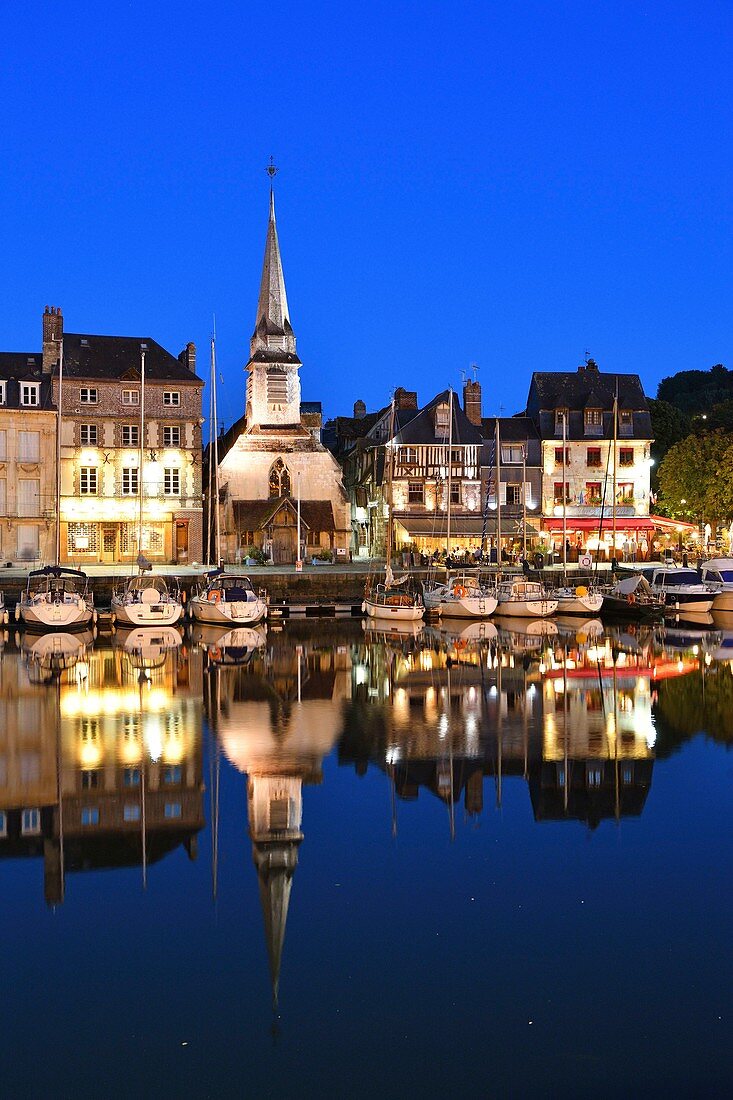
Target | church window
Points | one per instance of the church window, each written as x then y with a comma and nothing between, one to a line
279,479
277,388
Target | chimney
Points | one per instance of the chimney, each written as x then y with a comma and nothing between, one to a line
405,399
472,402
53,331
188,357
359,410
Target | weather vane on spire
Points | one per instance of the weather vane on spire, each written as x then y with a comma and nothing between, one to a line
272,170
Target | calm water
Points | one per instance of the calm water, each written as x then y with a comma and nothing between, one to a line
329,862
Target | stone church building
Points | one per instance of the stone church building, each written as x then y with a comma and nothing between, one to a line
273,455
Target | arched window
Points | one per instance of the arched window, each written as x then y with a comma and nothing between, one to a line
279,479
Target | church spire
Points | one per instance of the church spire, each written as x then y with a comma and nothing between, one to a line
276,863
273,330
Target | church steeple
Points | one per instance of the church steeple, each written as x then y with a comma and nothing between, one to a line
273,331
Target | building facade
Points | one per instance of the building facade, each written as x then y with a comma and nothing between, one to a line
107,470
272,457
27,460
605,468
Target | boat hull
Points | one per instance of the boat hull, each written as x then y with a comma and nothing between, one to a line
146,614
527,609
580,605
688,602
723,601
44,615
468,607
395,612
237,613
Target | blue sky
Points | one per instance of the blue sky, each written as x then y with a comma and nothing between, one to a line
506,184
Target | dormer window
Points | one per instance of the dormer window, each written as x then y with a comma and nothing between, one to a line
593,420
442,421
2,393
30,393
625,420
561,416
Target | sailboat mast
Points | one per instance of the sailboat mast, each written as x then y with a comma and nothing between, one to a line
564,493
214,457
58,454
390,471
450,466
524,502
143,349
615,432
497,464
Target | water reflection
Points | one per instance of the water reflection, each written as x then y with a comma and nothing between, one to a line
101,743
100,755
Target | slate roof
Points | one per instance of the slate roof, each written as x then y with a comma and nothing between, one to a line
419,426
584,389
512,429
20,366
253,515
112,357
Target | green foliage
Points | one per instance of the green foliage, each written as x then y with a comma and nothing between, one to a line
669,426
690,705
697,391
699,471
256,555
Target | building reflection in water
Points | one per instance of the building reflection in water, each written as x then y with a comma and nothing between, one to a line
277,713
100,755
569,711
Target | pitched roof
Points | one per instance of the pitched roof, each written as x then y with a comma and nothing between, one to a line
115,357
587,388
253,515
419,427
273,315
19,366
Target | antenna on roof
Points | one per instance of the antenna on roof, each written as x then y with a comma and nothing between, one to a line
586,355
475,368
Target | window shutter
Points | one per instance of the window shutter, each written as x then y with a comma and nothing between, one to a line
502,492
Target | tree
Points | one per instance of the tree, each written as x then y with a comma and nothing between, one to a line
696,391
669,426
696,478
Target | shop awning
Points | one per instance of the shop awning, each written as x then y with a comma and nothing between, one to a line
461,526
674,525
623,523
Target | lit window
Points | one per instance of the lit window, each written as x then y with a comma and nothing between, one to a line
172,810
172,774
90,815
558,456
592,492
625,418
88,435
558,492
279,479
627,774
131,777
560,419
88,480
514,494
171,436
2,393
131,811
30,822
416,492
130,435
626,456
593,457
172,481
30,393
171,397
131,397
594,776
561,775
82,538
455,492
88,396
593,418
130,482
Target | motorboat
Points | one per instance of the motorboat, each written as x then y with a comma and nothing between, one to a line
147,600
578,600
229,646
228,600
466,598
632,598
681,590
522,598
56,598
717,573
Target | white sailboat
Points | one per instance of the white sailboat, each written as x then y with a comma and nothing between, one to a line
55,597
146,599
227,600
392,599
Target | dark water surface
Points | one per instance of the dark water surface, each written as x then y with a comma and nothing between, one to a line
449,895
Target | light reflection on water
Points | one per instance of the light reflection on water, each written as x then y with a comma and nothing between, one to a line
106,762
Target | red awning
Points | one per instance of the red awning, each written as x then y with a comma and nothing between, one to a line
675,525
623,523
